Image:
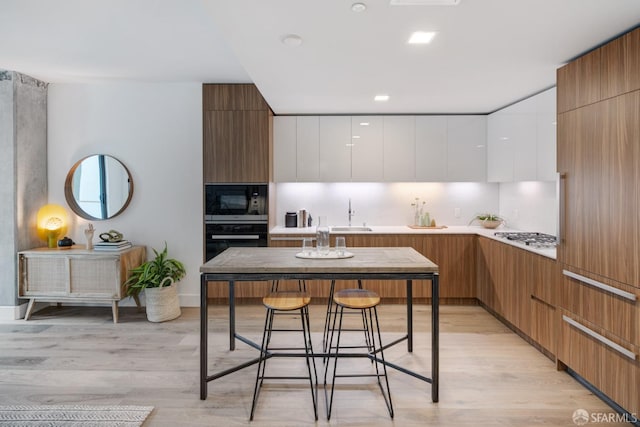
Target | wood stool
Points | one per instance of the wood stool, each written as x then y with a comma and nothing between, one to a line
286,301
332,311
366,302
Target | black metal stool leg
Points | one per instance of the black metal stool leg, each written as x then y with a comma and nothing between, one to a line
387,395
261,364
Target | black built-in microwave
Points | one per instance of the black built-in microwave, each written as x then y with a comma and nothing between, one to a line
237,202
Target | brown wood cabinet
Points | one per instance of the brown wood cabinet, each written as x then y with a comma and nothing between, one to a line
504,284
610,364
578,82
236,134
454,254
519,286
620,65
599,163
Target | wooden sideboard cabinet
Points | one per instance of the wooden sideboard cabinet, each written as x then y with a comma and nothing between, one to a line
76,275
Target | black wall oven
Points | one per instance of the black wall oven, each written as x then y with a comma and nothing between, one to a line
235,215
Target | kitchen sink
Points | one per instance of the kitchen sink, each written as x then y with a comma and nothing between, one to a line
347,228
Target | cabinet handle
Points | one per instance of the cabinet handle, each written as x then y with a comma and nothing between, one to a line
599,285
562,182
235,237
631,355
291,239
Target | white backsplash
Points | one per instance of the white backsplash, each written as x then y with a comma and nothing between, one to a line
531,206
386,203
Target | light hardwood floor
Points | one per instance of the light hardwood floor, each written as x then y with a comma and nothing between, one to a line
489,376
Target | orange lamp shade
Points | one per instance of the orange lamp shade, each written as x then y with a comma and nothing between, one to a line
51,223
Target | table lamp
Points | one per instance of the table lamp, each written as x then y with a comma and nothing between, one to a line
51,223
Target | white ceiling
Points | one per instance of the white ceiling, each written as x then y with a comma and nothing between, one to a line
487,53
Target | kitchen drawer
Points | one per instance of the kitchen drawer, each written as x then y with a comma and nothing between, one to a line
606,303
607,362
543,320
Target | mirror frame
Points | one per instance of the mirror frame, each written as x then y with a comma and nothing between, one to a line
73,204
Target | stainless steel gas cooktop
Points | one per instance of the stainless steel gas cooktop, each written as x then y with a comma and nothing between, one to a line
535,240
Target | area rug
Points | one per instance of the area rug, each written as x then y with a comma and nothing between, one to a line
73,415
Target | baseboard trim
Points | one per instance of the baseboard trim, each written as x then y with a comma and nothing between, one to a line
12,312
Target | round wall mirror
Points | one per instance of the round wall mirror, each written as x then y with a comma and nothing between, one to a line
98,187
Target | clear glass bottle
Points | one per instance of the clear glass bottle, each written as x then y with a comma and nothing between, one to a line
322,236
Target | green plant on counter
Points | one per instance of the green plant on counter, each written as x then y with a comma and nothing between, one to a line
488,220
158,272
488,217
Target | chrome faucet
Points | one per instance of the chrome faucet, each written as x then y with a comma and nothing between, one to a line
351,212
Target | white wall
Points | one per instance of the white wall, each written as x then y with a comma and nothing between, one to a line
387,203
530,206
156,131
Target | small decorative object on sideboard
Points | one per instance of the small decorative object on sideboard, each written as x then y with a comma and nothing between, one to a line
488,220
88,234
112,241
65,243
157,278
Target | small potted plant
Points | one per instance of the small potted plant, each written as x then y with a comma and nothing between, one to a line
488,220
157,278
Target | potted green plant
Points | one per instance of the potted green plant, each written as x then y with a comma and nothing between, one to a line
157,278
488,220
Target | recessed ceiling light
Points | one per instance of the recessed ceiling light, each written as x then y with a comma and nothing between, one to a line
356,137
421,37
292,40
381,98
358,7
364,123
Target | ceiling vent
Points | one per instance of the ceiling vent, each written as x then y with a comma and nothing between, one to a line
424,2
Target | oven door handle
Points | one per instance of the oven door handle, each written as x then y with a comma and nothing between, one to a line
235,237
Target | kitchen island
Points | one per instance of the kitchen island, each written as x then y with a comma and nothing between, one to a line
239,265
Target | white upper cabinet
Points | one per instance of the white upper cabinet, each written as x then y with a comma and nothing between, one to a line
284,149
308,148
381,148
431,148
367,155
521,140
296,148
335,148
466,148
399,148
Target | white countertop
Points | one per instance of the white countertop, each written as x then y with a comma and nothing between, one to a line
403,229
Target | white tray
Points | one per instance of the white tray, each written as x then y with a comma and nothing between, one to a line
331,255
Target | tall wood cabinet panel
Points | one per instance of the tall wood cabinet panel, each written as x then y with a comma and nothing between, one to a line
620,65
579,82
236,134
600,165
599,162
232,97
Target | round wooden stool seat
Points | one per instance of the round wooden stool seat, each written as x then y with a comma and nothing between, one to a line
356,298
286,300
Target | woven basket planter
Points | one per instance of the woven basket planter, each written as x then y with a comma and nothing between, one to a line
162,303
